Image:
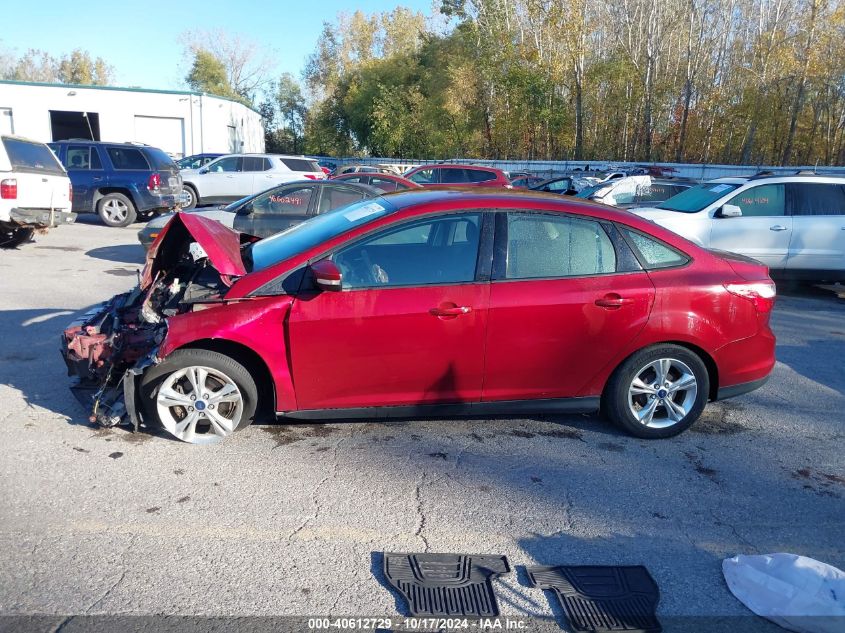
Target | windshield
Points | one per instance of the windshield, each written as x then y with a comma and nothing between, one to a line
696,198
300,237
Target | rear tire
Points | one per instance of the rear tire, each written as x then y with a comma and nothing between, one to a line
193,199
199,396
12,238
657,392
115,209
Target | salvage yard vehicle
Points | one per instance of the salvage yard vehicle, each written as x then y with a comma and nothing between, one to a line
121,182
274,210
634,191
385,182
365,169
234,176
35,191
463,175
795,224
196,161
427,302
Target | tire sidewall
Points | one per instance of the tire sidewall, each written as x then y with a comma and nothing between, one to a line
152,380
193,193
131,213
616,396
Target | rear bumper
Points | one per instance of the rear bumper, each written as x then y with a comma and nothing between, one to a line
740,389
41,218
164,201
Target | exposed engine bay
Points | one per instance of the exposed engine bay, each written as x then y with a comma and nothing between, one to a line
110,346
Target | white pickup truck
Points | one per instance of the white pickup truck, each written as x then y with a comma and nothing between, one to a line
35,191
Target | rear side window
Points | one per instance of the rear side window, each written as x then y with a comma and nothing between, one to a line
300,164
652,253
812,198
385,184
31,156
454,176
545,246
256,163
158,159
479,175
334,197
127,158
80,157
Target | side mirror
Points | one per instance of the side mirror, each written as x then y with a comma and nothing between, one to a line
729,211
327,275
204,170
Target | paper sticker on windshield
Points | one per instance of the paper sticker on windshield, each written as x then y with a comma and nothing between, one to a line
371,208
720,188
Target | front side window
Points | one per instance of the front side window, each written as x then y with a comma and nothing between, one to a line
762,201
424,177
228,164
433,251
290,201
815,198
560,185
548,246
127,158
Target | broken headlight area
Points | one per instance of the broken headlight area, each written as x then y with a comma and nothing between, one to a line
111,346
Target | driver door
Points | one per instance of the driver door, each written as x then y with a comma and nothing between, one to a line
408,327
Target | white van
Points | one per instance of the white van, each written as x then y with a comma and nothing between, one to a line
35,191
795,224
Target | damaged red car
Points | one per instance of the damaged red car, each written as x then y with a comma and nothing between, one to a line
424,303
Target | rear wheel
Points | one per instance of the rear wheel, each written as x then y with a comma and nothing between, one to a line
198,396
115,209
191,193
658,392
12,237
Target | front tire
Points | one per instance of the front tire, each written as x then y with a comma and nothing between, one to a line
117,210
12,238
199,396
657,392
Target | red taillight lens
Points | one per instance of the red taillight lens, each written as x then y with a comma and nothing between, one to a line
760,293
9,189
310,176
70,191
154,183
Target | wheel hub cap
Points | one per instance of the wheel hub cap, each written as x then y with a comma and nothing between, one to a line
662,393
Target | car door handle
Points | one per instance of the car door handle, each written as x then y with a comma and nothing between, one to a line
777,227
449,311
613,301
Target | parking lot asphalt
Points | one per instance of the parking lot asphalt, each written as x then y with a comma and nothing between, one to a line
290,519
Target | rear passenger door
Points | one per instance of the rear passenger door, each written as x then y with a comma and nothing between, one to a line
762,232
563,302
257,170
818,226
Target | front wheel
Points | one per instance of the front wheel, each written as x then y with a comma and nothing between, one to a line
199,396
11,238
657,392
115,209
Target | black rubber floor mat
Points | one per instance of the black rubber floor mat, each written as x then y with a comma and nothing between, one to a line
446,584
603,598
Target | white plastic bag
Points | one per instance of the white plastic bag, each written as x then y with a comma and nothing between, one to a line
795,592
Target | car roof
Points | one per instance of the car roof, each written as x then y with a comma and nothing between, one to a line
458,166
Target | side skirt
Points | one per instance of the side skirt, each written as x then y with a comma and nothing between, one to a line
459,409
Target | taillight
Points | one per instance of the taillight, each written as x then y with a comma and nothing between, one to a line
9,189
70,191
154,183
310,176
760,293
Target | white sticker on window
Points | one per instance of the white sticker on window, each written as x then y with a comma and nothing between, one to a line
720,188
371,208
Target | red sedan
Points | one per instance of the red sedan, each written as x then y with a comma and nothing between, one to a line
429,302
458,175
385,182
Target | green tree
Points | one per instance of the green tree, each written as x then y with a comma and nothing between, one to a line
208,74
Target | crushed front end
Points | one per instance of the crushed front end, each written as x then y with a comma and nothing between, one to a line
110,347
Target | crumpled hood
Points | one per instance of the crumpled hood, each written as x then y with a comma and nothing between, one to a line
220,243
226,218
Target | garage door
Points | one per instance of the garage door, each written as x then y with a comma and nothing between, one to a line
165,133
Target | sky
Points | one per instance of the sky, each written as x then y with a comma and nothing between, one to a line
144,43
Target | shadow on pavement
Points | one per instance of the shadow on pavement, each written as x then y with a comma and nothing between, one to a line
121,253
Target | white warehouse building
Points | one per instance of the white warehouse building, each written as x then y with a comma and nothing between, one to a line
180,123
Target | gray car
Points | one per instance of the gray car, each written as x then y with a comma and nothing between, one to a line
273,210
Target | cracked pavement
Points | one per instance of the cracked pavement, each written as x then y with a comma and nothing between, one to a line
290,519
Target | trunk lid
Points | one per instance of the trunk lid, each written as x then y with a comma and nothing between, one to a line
221,244
746,267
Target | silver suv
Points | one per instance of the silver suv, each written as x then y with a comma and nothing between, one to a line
236,176
794,224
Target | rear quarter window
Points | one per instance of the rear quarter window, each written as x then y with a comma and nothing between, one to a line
480,175
300,164
127,158
31,156
652,253
159,160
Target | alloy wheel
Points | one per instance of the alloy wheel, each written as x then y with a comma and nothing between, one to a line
662,393
115,211
199,405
